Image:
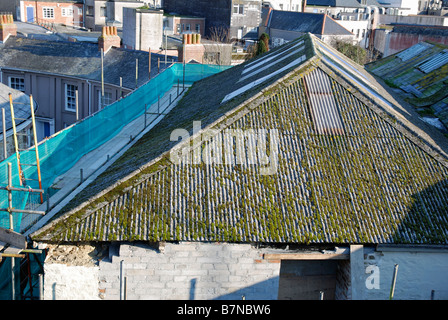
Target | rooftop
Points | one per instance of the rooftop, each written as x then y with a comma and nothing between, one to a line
350,164
315,23
334,3
419,75
21,103
77,59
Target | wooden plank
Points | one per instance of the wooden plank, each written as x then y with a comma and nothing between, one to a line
11,255
13,238
12,250
306,256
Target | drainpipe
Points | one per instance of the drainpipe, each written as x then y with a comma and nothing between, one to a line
89,99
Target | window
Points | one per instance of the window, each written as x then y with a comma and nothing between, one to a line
187,27
48,13
198,28
107,100
70,97
238,8
178,28
67,12
89,10
79,11
103,12
17,83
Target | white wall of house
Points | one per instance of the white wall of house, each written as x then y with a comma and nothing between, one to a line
406,7
359,28
419,272
64,282
285,5
142,29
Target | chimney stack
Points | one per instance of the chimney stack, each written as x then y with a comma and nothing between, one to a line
109,38
7,27
194,49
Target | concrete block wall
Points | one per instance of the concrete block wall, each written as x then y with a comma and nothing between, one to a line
190,271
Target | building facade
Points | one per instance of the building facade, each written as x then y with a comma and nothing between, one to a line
68,12
238,17
142,29
68,87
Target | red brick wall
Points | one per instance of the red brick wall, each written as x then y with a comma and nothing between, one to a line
7,27
401,41
76,19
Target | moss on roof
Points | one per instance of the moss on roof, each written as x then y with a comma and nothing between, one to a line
370,185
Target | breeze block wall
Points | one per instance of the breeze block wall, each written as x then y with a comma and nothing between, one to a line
189,271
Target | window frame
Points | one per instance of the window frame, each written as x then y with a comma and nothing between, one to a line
238,8
46,11
16,86
67,12
107,97
103,9
69,98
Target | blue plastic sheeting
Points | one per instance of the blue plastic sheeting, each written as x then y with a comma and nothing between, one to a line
64,149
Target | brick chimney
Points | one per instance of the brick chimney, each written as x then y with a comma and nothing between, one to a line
109,38
194,49
7,27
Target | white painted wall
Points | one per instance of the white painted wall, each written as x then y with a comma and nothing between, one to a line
419,272
63,282
285,5
407,7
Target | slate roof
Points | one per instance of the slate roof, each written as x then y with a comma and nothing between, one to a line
379,179
315,23
334,3
77,59
420,75
21,103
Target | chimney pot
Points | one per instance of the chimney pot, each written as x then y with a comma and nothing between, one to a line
7,27
109,38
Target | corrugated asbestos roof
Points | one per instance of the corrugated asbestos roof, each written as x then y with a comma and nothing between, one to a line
376,183
421,72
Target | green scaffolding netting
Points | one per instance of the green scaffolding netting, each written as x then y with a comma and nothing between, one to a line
64,149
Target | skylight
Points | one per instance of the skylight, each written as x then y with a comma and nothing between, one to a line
324,110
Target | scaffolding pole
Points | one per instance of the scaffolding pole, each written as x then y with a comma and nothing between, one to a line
39,177
16,144
5,151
